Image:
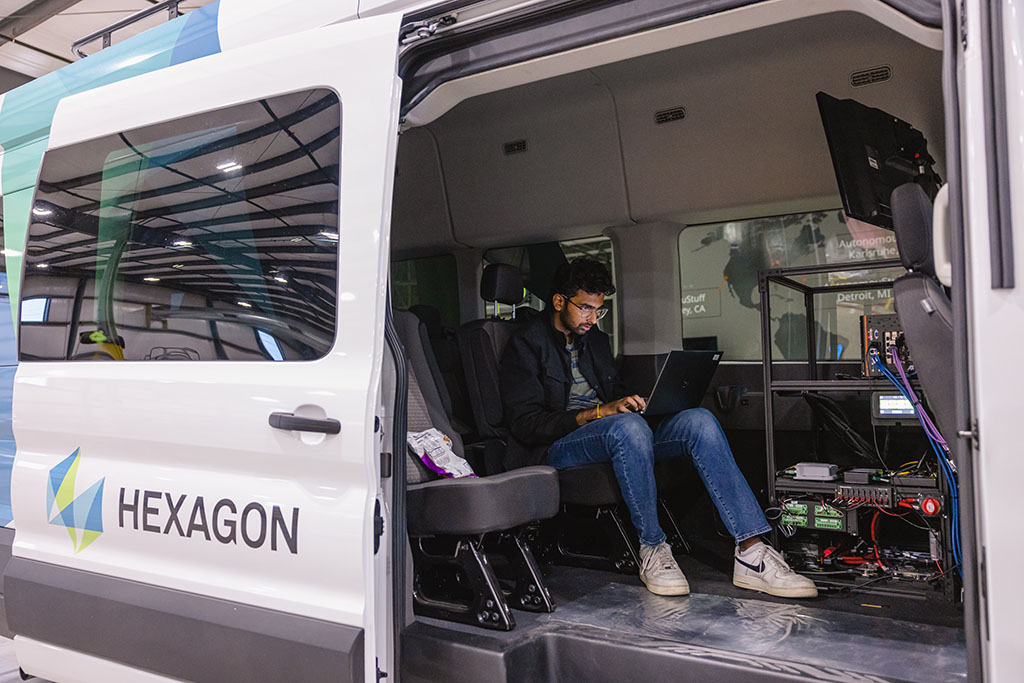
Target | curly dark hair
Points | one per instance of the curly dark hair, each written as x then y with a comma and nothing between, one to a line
583,273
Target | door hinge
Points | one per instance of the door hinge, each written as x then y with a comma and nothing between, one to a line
380,674
424,29
971,434
386,465
378,526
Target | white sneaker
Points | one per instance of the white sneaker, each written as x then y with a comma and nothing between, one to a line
761,568
659,571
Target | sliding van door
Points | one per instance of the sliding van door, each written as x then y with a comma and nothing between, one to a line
197,468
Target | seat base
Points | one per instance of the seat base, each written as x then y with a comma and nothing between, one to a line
592,506
594,537
441,580
529,592
468,568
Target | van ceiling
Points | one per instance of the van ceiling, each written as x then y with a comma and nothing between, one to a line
568,156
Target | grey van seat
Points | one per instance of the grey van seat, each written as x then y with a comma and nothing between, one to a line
463,512
481,343
924,309
472,505
412,333
446,367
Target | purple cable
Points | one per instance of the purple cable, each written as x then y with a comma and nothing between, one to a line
926,421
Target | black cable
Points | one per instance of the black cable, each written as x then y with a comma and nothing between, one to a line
885,447
847,591
835,420
841,424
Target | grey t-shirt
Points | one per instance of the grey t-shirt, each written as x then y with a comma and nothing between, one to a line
581,394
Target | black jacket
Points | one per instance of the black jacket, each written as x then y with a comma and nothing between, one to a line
535,382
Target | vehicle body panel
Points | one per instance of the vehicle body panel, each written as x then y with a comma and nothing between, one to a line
157,434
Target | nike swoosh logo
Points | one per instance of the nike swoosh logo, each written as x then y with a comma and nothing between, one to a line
754,567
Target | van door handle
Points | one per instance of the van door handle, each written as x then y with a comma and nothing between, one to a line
304,424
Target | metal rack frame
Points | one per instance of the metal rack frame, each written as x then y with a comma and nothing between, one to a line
772,386
781,276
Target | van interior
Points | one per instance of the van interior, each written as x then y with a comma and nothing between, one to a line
690,162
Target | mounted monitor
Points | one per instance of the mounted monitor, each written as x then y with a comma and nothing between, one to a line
873,153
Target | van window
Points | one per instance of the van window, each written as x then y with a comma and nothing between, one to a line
431,281
269,344
8,350
212,237
538,262
720,300
35,310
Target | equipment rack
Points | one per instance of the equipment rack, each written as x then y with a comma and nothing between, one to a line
796,278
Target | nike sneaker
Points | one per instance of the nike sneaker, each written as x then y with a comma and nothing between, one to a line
761,568
659,571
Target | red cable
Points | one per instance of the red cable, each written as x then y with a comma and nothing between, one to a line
874,540
891,514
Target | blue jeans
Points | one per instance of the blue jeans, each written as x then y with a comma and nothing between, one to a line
627,442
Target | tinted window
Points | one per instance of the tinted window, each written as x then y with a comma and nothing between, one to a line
720,300
538,262
8,353
35,310
213,237
431,281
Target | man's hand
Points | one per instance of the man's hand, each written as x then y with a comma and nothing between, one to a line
627,404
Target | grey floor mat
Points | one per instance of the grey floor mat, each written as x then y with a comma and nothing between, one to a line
824,639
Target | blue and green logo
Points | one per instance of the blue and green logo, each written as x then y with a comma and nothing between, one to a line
81,516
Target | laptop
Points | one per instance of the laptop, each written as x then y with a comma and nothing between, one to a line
682,382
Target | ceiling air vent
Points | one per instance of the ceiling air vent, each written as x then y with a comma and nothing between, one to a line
669,115
879,74
515,147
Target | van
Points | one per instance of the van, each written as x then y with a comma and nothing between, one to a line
258,191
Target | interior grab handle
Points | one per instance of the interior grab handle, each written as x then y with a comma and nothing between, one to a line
304,424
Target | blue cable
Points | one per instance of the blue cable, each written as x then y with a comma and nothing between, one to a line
947,469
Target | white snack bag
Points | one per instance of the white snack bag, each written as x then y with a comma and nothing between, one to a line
435,450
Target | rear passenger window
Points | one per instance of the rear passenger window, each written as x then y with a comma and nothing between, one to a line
212,237
538,262
431,281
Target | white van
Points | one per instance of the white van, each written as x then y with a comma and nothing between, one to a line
258,189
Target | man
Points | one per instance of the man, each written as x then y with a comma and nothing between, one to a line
565,407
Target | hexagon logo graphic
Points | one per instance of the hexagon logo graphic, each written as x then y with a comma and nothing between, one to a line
81,516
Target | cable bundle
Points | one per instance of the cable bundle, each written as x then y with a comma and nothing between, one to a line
831,415
938,444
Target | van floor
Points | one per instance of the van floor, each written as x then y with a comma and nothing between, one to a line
608,627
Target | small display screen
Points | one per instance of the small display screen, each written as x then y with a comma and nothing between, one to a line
895,405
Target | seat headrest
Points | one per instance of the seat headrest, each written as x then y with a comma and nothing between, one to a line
912,222
502,283
429,316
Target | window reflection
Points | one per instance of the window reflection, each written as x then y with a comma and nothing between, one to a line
35,310
721,304
270,345
189,239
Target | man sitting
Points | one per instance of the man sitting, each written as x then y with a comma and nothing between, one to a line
565,407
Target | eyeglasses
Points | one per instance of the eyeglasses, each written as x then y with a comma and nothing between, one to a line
588,311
